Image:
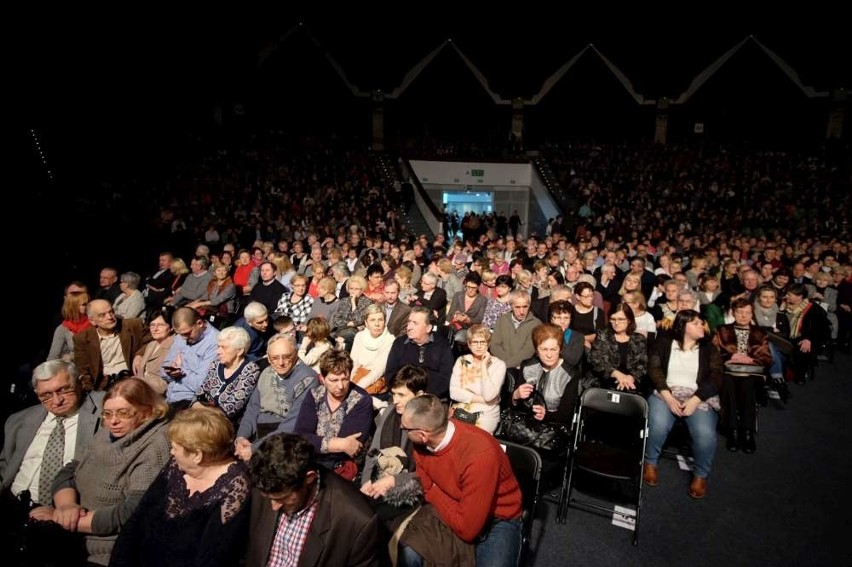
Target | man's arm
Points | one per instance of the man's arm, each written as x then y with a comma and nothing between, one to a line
478,487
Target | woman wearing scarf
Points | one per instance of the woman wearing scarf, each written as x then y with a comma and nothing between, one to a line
809,330
74,320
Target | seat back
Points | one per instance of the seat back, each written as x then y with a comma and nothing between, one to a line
526,464
609,401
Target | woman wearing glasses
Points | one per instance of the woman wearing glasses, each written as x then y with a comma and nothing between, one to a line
586,319
148,363
476,382
467,307
98,493
619,358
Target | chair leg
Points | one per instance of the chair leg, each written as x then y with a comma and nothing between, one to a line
565,494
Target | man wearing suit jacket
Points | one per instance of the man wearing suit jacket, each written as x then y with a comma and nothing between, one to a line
304,515
396,313
104,352
433,297
27,432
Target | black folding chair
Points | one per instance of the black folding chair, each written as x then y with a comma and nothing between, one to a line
526,464
610,432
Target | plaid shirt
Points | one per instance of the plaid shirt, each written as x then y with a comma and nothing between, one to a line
290,535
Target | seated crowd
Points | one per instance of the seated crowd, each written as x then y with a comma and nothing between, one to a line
351,384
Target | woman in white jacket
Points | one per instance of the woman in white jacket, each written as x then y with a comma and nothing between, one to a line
477,380
370,352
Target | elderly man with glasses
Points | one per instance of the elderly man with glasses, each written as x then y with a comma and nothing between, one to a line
277,399
40,440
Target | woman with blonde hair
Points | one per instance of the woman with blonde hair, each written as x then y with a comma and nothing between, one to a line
326,302
476,382
284,269
198,506
74,320
296,304
180,271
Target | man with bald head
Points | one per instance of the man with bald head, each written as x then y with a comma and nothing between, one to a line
104,352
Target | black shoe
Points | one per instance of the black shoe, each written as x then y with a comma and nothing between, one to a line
748,441
732,445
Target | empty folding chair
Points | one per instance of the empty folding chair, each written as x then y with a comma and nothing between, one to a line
610,432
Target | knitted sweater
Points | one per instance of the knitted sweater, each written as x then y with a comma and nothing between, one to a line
112,477
469,482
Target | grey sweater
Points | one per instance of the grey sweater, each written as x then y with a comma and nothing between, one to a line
111,478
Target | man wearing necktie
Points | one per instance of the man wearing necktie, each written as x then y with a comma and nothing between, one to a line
41,439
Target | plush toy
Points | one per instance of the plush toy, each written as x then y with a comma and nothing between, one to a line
389,462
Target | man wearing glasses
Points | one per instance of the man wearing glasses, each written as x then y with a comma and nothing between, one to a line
277,399
35,450
468,479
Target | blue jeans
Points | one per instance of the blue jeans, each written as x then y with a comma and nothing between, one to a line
777,368
500,547
702,429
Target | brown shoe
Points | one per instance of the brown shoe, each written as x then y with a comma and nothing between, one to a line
649,473
698,487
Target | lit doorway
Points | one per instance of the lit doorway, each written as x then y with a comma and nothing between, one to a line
458,203
469,201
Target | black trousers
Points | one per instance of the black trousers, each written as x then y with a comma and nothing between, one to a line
738,400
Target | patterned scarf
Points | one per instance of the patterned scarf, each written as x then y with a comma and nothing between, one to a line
796,315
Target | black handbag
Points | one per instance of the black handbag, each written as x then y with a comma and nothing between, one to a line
462,414
522,428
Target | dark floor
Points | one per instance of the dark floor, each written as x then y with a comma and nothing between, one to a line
787,504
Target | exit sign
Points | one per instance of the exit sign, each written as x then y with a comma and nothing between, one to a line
477,173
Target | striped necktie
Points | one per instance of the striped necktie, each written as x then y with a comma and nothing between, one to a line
51,462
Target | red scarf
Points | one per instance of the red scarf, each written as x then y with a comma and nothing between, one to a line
76,326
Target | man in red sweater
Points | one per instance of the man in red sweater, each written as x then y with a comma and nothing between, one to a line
467,478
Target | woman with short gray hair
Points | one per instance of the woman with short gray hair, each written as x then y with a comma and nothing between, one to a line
130,303
232,378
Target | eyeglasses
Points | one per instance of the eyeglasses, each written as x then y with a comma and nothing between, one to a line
60,393
280,357
586,296
121,414
477,343
472,287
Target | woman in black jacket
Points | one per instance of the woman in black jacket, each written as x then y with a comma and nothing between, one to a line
686,370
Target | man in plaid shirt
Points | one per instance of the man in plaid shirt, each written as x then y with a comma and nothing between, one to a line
314,517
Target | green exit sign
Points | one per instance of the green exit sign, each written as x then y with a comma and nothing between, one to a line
477,173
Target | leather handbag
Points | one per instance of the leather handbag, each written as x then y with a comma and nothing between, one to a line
462,414
521,428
